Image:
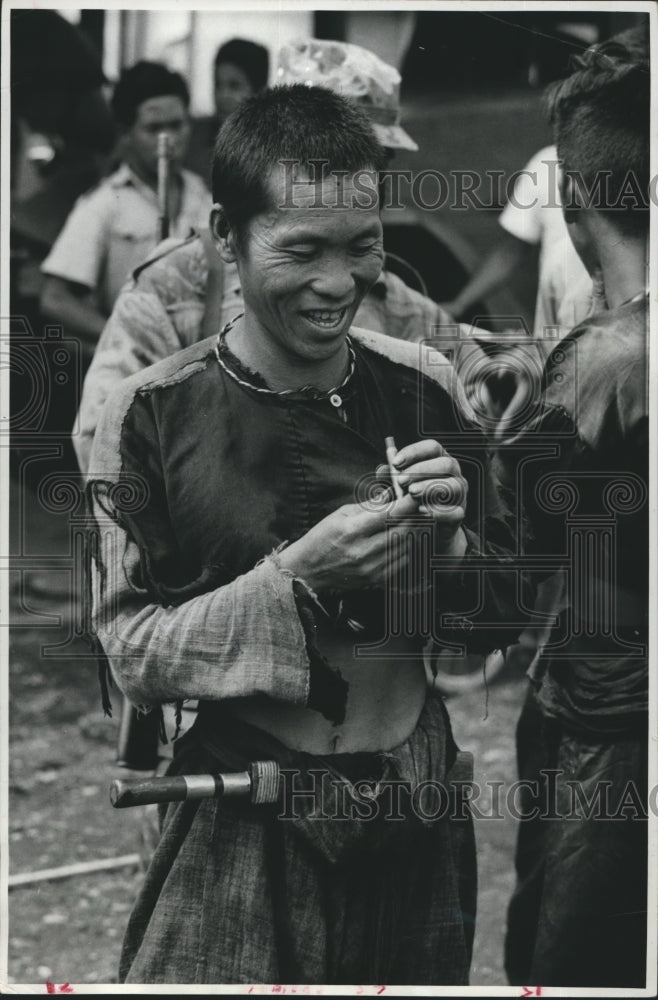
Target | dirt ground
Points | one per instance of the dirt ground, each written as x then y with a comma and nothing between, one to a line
62,760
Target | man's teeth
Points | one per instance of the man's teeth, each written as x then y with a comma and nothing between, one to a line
325,316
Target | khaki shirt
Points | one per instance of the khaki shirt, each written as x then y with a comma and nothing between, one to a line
112,229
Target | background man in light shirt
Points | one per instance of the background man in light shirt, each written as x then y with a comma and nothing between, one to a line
532,217
112,228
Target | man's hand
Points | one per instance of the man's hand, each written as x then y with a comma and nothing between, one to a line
434,481
349,549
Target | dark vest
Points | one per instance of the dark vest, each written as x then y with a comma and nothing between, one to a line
245,470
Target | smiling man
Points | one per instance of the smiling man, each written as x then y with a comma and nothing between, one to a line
261,556
184,292
298,317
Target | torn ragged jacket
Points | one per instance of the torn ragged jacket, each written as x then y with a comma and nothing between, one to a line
162,309
196,478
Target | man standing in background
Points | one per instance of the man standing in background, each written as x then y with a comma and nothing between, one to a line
532,218
241,68
579,913
112,228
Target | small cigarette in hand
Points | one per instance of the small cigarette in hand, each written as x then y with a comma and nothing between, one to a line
391,452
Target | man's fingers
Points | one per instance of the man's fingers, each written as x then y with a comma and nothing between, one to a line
445,516
400,509
433,468
418,452
439,496
366,520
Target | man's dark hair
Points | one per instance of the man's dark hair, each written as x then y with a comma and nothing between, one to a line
293,123
140,83
600,118
631,45
251,58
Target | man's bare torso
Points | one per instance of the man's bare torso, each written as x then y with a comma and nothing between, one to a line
386,696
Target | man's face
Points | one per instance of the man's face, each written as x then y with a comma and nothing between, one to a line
305,269
232,86
158,114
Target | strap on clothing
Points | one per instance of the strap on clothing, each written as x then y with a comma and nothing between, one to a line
212,314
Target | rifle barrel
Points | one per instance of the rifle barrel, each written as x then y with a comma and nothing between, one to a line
163,183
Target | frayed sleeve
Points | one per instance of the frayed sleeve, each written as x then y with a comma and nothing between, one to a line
169,638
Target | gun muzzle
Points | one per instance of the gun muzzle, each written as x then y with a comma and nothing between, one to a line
260,784
164,154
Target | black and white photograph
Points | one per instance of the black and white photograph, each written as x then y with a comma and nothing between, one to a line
328,499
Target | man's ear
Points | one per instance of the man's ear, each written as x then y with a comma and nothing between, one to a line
569,196
222,234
